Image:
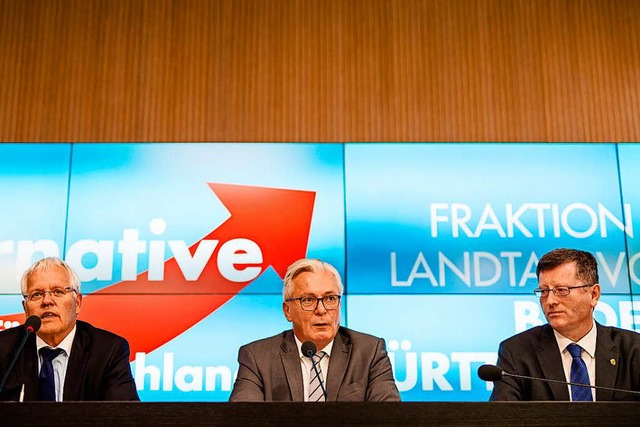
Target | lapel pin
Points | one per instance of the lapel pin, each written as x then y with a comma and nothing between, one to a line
613,362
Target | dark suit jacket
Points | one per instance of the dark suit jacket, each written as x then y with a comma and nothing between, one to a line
359,370
98,367
535,353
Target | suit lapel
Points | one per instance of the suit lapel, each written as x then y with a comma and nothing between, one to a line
607,360
27,369
340,353
291,364
551,363
77,364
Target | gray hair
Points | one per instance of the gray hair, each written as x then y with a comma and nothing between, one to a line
307,265
45,264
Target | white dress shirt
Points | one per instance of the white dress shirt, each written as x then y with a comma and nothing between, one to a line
588,344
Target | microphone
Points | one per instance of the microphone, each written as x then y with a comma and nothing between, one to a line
309,349
490,373
496,373
31,326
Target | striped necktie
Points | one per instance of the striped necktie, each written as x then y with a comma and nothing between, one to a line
316,380
579,375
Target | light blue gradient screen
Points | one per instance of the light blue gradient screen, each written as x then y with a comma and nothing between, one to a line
437,243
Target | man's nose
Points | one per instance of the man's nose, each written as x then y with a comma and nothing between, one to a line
47,298
552,298
320,307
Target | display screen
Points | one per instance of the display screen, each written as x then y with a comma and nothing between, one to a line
181,248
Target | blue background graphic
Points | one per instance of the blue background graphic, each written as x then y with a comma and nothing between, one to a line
383,215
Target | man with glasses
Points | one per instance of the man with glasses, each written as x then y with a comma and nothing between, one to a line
346,366
572,346
67,359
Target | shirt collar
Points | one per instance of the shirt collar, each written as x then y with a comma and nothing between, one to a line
65,345
327,349
588,342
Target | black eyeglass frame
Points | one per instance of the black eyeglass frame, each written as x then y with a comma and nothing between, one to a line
315,306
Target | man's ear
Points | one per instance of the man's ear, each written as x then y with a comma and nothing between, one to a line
595,294
78,303
287,311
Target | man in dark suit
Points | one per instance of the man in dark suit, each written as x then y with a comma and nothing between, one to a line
67,359
572,347
357,366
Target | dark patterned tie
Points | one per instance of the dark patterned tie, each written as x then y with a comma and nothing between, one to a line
46,379
316,380
579,375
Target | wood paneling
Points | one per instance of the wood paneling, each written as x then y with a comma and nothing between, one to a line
319,70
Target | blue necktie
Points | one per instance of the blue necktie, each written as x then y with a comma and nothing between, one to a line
46,379
579,375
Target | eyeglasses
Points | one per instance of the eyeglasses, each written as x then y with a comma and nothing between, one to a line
330,302
560,291
56,293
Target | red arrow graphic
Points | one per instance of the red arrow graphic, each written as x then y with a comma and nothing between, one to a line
277,220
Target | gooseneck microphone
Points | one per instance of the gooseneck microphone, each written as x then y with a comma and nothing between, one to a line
31,326
309,350
490,373
496,373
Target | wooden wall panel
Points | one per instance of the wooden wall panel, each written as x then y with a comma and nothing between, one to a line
319,70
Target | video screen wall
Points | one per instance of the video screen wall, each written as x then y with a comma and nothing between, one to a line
181,248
